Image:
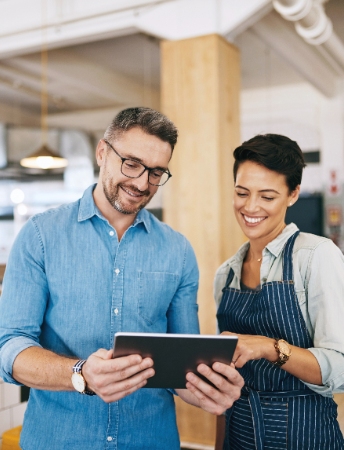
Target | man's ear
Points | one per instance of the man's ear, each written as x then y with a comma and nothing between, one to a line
100,152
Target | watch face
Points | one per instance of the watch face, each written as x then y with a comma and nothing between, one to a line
284,347
78,382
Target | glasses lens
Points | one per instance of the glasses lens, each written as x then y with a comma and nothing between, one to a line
158,177
132,168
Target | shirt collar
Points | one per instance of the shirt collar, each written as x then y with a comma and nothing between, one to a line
143,217
275,247
88,209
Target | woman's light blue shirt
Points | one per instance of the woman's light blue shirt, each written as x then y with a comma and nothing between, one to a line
319,283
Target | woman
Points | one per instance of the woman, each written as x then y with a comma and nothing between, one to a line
282,294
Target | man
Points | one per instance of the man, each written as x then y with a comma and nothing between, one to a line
82,272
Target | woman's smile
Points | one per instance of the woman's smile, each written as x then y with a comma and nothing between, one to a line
252,220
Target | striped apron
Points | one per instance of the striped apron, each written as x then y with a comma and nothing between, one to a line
276,410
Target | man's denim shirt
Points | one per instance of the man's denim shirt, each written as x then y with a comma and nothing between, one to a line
69,287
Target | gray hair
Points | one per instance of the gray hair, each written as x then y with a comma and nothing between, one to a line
150,121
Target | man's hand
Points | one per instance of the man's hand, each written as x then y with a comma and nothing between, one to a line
112,379
228,384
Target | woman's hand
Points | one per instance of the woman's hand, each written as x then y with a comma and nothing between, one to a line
251,347
302,363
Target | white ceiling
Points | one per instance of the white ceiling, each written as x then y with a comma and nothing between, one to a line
92,76
89,82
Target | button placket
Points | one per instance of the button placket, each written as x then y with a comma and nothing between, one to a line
116,310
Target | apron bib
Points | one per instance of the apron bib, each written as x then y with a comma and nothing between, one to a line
276,410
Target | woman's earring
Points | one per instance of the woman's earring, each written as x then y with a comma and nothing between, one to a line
290,203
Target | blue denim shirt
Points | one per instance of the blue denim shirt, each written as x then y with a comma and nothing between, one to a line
69,287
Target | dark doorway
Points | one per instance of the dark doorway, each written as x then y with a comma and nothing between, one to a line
307,214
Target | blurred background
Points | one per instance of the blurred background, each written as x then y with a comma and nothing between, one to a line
222,70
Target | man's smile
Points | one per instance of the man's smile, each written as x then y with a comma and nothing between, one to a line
132,193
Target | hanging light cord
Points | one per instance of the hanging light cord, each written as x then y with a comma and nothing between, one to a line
44,78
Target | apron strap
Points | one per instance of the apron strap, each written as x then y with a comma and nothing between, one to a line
287,261
257,419
288,257
229,279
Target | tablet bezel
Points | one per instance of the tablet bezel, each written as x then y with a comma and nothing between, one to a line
175,354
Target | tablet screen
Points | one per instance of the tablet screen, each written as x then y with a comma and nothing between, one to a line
175,355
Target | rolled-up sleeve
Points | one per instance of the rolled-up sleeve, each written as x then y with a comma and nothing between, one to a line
23,299
325,291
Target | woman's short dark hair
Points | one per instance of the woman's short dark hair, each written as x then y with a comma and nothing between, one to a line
275,152
149,120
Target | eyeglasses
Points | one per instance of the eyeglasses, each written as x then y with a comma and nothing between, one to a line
134,169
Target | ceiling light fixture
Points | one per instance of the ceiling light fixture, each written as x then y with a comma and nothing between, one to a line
44,157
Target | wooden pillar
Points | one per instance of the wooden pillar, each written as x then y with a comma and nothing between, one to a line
200,93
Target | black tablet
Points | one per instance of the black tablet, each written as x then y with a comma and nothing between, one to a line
175,355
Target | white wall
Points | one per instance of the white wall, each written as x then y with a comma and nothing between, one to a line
300,112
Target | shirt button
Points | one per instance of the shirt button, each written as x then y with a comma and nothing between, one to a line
111,233
109,438
117,271
116,311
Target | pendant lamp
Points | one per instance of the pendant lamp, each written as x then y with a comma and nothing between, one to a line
44,157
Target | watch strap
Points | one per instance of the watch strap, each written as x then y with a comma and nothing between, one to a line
77,369
78,366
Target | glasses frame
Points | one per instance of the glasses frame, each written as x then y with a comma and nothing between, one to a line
137,162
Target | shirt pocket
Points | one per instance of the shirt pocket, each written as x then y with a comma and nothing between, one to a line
156,291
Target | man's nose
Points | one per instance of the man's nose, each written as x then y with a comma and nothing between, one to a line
142,181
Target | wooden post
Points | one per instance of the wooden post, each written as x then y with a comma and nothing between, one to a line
200,93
